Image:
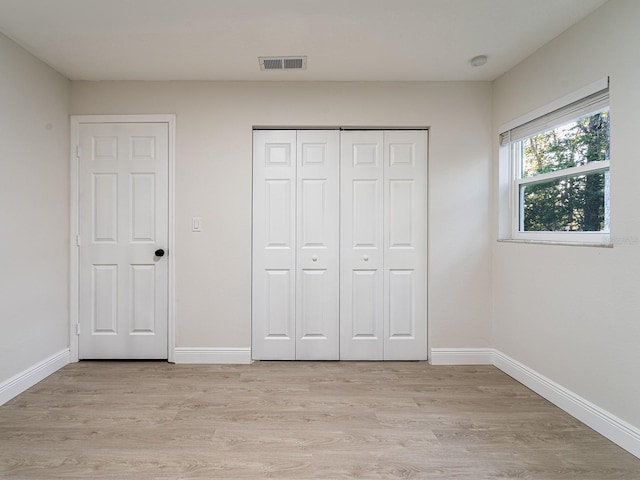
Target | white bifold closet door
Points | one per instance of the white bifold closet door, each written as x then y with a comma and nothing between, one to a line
339,245
383,245
295,278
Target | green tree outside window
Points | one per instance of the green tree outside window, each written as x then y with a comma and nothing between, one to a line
571,203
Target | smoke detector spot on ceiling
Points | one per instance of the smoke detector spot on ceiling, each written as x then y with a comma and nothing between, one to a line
478,61
283,63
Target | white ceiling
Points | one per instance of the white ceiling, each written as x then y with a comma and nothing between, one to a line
376,40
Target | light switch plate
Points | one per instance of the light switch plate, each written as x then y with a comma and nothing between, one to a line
196,224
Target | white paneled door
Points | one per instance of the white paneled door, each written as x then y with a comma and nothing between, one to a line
405,245
383,245
295,245
362,250
123,237
339,245
318,245
274,245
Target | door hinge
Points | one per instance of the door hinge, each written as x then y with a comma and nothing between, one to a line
77,329
77,151
77,240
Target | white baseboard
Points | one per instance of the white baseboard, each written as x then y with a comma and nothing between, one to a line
461,356
26,379
605,423
615,429
213,355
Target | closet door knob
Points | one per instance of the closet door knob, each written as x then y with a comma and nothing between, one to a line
365,258
314,258
159,253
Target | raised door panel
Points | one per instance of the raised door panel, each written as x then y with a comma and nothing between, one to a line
365,312
313,314
361,246
277,215
274,251
365,204
142,148
104,148
104,300
143,207
318,249
314,215
401,218
105,208
402,305
278,313
142,308
405,247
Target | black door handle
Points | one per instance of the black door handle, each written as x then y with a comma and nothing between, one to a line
159,253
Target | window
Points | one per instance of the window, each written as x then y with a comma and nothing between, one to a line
559,181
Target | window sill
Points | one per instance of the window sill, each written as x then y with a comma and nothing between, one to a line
552,242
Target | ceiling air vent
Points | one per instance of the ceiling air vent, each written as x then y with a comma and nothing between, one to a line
283,63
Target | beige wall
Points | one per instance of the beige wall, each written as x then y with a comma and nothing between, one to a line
34,213
213,181
572,313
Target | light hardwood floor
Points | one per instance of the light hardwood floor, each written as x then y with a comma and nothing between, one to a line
295,420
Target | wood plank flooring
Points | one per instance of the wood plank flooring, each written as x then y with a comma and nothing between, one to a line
296,420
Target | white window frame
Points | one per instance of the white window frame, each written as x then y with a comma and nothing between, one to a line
511,160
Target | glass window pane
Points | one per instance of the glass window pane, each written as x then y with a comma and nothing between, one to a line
570,204
571,145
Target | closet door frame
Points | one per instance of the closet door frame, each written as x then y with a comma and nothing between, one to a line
399,332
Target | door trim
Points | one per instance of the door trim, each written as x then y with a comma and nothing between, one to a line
76,121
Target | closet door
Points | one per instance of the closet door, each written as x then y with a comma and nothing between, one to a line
318,245
362,246
405,245
383,246
274,247
296,245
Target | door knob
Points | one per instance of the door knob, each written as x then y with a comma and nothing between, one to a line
159,253
365,258
314,258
